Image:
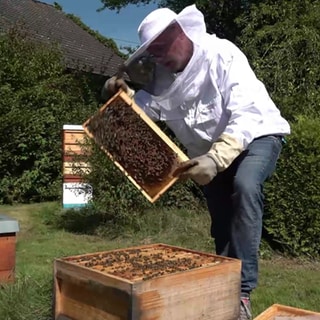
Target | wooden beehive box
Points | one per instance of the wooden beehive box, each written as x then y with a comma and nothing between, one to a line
73,136
136,145
8,234
148,282
278,311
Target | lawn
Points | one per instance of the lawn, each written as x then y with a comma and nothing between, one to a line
293,282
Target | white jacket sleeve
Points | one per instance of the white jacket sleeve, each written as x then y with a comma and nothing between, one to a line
243,95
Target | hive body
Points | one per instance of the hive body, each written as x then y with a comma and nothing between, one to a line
147,283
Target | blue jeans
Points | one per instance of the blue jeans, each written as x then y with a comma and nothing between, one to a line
235,202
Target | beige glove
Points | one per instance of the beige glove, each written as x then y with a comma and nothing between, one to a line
201,169
113,85
204,168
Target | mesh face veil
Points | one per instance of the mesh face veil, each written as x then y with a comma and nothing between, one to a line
142,67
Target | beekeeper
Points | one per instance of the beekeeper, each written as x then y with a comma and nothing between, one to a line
205,90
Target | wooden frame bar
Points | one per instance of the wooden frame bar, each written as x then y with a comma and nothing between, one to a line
278,310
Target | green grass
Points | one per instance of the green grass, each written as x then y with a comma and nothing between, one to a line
290,282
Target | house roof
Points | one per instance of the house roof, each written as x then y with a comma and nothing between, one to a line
45,23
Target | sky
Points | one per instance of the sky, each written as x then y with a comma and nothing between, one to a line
121,27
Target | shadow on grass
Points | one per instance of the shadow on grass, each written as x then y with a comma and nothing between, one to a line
81,221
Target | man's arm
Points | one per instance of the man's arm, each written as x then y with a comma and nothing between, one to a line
241,94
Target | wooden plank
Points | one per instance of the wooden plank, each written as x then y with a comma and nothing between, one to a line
75,170
73,149
82,300
72,178
211,292
74,158
80,311
153,247
282,310
73,153
74,137
81,294
76,164
69,270
151,192
57,298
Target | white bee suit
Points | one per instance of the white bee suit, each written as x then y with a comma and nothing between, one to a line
216,104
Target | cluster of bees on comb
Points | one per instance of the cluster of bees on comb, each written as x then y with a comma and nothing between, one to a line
132,143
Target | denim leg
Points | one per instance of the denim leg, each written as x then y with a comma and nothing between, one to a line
235,202
218,194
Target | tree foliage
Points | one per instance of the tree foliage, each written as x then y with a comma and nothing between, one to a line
292,218
219,15
282,40
37,97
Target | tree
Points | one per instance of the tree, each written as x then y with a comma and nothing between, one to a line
37,96
219,15
282,41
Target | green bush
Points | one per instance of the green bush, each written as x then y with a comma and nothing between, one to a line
37,96
292,217
282,41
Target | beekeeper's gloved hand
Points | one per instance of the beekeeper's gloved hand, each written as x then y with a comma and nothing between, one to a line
201,169
204,168
113,85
